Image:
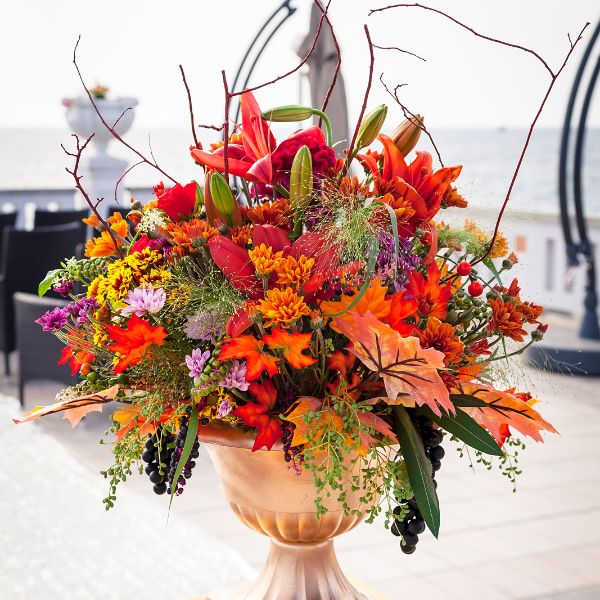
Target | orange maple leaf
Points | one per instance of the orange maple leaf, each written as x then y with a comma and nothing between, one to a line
373,300
133,341
504,409
71,404
251,349
291,346
310,432
257,414
405,368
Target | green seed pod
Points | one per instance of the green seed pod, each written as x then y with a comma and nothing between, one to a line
370,127
301,186
223,199
289,113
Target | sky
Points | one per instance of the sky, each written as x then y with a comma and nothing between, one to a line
135,47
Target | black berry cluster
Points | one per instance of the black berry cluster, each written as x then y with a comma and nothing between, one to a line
157,457
176,457
412,523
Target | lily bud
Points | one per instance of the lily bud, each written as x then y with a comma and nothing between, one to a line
199,199
370,127
301,185
223,199
289,113
407,134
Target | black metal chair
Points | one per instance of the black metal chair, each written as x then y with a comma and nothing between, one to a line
39,351
26,258
51,218
6,220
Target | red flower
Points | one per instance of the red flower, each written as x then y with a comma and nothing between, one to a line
257,414
142,242
178,201
133,342
416,183
323,156
432,299
251,159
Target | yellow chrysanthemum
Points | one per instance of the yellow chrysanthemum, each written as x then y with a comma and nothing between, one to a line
282,307
294,272
263,258
500,246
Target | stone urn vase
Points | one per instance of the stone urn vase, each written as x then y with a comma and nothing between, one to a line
84,120
102,171
270,498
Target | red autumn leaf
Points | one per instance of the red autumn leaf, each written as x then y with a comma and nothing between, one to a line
133,341
75,359
291,346
80,402
405,368
257,415
504,409
251,349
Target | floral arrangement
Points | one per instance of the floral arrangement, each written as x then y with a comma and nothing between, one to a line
335,316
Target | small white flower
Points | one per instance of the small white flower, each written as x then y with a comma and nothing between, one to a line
151,221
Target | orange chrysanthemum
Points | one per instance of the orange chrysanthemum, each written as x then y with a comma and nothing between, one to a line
506,319
282,307
241,235
104,244
442,337
294,272
263,258
276,213
185,233
402,208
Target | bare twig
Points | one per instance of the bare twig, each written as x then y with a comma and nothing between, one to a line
399,50
553,77
214,127
121,116
77,177
412,116
191,108
460,24
108,127
351,151
228,96
133,166
526,145
338,65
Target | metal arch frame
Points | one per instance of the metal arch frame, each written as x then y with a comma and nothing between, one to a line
285,5
589,327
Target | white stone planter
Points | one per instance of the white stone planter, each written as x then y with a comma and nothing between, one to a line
84,120
101,171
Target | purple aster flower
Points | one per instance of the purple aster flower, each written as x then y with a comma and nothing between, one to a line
54,319
195,363
144,300
81,309
224,409
407,261
236,377
208,325
64,288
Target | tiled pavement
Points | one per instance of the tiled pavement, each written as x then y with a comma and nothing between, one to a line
541,543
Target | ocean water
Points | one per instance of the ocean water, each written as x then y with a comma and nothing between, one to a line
31,158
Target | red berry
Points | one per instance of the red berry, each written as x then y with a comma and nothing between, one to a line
426,238
475,288
464,268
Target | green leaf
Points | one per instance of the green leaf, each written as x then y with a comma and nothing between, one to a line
46,283
419,469
466,400
466,429
190,438
489,263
